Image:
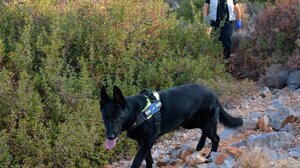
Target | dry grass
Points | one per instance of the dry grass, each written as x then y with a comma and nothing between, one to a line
255,158
234,94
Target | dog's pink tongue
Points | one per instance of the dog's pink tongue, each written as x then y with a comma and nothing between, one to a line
109,144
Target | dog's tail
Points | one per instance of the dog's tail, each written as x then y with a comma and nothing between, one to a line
228,120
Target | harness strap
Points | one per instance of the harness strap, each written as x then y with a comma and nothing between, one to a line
152,109
157,117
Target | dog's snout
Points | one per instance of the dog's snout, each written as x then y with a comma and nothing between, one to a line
111,136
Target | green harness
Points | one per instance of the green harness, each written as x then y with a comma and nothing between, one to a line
152,109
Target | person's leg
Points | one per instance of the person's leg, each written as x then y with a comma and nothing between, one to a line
225,38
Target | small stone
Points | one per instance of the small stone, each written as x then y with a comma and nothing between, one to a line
289,119
203,165
235,152
263,124
220,158
162,162
228,162
175,154
297,92
186,152
195,159
175,162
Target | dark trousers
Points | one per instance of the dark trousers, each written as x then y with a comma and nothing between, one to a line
225,36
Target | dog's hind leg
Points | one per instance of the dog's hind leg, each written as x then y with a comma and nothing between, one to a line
215,139
201,142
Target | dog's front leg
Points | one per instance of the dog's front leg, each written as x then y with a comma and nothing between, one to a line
145,149
149,160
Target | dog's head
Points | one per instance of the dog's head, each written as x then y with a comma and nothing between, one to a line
113,114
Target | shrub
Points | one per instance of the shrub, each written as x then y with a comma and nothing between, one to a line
293,62
274,40
188,8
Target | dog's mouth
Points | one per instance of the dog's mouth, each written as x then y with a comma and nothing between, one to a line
110,143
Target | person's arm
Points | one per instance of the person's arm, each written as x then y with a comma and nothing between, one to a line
237,12
238,16
205,9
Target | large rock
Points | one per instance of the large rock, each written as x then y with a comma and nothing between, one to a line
273,154
276,77
294,152
255,114
173,4
278,80
227,133
297,92
265,92
249,124
293,80
277,103
273,140
280,117
296,109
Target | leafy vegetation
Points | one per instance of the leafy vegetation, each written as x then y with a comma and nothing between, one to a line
54,55
274,41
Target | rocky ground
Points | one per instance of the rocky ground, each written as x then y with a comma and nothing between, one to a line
270,137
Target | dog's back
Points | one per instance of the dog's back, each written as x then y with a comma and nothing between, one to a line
189,106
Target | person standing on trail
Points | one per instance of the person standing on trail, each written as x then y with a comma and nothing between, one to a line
221,14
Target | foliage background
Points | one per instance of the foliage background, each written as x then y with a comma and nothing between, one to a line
275,40
54,56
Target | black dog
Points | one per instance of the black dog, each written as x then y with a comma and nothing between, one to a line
189,106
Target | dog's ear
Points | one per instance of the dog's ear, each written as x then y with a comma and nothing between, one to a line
104,98
118,97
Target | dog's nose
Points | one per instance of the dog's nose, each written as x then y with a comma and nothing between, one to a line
111,136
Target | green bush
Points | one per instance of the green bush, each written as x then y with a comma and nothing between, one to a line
274,40
54,55
188,9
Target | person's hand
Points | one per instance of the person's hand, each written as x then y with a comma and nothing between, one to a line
208,21
238,24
